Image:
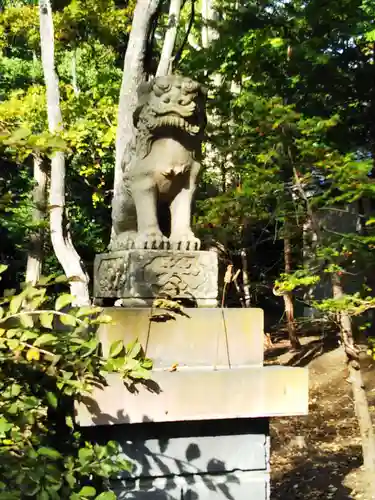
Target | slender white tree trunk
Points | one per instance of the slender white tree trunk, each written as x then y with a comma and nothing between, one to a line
60,235
133,76
35,256
245,278
166,58
208,16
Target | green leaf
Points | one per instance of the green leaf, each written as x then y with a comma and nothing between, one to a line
140,373
46,319
45,280
133,349
84,455
68,320
87,491
13,344
46,338
63,300
4,425
147,363
2,312
26,336
16,303
15,390
116,348
88,311
104,318
52,399
12,332
106,495
3,268
43,495
26,320
70,479
43,451
61,279
33,354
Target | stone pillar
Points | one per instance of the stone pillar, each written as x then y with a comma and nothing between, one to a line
200,430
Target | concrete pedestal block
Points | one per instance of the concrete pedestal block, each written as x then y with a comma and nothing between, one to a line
199,432
208,337
138,276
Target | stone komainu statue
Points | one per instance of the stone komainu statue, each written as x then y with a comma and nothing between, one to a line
160,181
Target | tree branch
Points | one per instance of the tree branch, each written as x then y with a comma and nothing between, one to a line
178,54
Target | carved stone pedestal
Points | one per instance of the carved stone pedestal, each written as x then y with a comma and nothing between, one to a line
138,276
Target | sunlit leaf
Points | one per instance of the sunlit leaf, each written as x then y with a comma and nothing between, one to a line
87,491
106,495
16,303
116,348
48,452
33,354
63,300
45,338
46,319
68,320
26,320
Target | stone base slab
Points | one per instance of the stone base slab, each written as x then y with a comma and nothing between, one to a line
199,394
238,485
212,337
138,276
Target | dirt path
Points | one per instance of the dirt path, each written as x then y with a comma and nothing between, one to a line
319,456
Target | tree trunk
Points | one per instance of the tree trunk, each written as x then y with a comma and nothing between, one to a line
366,428
359,394
245,278
165,63
35,256
288,297
208,16
133,76
60,235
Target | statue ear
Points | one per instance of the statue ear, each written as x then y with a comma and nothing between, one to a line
143,92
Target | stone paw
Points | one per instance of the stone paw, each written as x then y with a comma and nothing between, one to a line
184,241
151,240
123,241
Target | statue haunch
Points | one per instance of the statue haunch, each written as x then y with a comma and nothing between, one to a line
159,183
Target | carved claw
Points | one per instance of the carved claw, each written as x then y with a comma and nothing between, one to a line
123,241
151,240
185,241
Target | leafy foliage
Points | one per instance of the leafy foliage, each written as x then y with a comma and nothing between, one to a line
50,357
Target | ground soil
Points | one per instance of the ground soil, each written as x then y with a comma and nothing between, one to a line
318,456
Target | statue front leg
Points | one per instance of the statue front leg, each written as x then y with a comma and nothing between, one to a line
149,235
182,236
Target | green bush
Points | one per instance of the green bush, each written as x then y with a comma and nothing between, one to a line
50,357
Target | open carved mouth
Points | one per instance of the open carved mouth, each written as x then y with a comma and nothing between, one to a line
172,120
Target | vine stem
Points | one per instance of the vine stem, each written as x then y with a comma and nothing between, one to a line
41,311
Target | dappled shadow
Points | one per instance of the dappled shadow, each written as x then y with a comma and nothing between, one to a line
318,455
309,350
186,460
274,352
317,477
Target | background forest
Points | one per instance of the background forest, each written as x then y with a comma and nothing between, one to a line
287,193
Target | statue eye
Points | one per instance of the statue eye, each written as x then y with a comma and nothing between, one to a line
166,99
190,86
